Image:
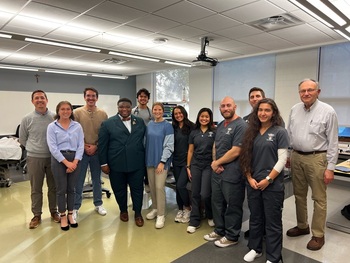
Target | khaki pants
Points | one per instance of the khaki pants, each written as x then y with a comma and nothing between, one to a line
38,168
308,170
157,187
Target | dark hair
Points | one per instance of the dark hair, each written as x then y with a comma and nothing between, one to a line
124,100
92,89
148,94
38,91
57,117
211,126
252,131
187,124
256,89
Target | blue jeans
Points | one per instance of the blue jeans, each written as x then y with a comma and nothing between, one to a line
95,170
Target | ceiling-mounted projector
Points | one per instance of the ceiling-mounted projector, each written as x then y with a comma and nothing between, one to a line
202,60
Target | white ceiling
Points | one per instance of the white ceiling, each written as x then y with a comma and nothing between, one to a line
132,25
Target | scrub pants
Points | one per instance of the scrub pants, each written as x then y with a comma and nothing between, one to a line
201,190
181,179
266,211
227,205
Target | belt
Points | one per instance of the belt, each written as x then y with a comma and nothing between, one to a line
67,151
308,153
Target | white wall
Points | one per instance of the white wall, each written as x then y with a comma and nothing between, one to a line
201,91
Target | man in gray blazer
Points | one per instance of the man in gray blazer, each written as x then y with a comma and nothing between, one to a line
122,156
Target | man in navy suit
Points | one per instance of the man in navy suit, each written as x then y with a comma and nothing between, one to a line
122,156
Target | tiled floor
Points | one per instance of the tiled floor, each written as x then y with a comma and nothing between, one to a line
107,239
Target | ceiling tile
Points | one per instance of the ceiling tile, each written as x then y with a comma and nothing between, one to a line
154,23
220,6
116,12
263,9
148,5
214,23
184,12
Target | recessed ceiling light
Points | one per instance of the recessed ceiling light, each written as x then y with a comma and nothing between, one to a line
160,40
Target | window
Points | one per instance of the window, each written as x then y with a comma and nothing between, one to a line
335,81
172,86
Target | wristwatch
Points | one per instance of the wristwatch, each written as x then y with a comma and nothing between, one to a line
269,179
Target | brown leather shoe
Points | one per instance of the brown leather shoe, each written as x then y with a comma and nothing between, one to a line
124,216
296,231
35,222
56,217
315,243
139,221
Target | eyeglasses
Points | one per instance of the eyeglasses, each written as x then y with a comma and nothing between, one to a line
306,90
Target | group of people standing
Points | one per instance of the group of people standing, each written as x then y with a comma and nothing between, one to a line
61,147
137,147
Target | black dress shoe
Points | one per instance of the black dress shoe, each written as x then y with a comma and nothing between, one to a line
74,225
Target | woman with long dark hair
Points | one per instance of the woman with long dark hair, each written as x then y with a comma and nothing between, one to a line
65,139
262,159
182,129
199,159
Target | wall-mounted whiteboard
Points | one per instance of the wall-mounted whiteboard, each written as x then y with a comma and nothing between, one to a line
14,105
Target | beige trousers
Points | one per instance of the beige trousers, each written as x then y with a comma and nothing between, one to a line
308,170
157,187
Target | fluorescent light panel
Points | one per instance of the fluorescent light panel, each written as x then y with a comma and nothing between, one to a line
58,44
327,11
133,56
18,68
109,76
311,13
342,34
5,35
65,72
177,63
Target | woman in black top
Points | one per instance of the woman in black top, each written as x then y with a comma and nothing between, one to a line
182,129
199,159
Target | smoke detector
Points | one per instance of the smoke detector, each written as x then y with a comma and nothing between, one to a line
160,40
116,61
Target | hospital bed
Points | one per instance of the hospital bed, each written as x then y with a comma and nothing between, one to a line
10,153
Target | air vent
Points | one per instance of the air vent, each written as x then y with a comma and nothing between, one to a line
117,61
276,22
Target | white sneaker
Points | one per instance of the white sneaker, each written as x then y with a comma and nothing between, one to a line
101,210
152,215
251,256
160,222
224,242
75,214
211,222
192,229
186,216
179,216
212,236
268,261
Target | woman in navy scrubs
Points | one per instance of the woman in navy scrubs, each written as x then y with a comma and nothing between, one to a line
199,159
263,157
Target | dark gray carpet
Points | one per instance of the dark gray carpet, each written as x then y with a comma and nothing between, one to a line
209,253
